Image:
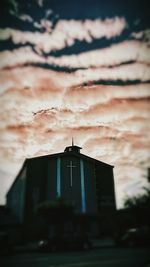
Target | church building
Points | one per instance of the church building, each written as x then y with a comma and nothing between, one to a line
85,182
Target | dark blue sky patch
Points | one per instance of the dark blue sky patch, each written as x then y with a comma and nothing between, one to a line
9,45
83,46
74,9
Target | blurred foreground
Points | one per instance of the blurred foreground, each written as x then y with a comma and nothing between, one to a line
99,256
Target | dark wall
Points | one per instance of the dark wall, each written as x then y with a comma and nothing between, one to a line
51,182
36,184
90,185
16,196
105,187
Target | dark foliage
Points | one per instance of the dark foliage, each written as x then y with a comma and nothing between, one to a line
56,211
140,207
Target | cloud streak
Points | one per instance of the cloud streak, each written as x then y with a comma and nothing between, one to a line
116,54
66,32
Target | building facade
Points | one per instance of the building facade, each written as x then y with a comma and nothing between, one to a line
83,181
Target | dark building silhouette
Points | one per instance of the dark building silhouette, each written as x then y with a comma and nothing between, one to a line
85,182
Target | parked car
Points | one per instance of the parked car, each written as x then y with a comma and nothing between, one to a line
135,237
66,241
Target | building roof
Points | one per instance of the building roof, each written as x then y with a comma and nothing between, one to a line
75,151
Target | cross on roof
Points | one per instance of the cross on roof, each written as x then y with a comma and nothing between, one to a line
71,166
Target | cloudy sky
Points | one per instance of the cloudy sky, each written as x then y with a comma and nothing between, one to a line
76,69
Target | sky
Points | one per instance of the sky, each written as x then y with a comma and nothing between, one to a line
76,69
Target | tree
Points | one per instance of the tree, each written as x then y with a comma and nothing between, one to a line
56,212
140,207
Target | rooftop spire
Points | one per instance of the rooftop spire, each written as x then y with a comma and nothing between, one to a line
72,148
72,142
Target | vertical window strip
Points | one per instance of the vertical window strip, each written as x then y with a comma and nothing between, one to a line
58,177
82,186
48,181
